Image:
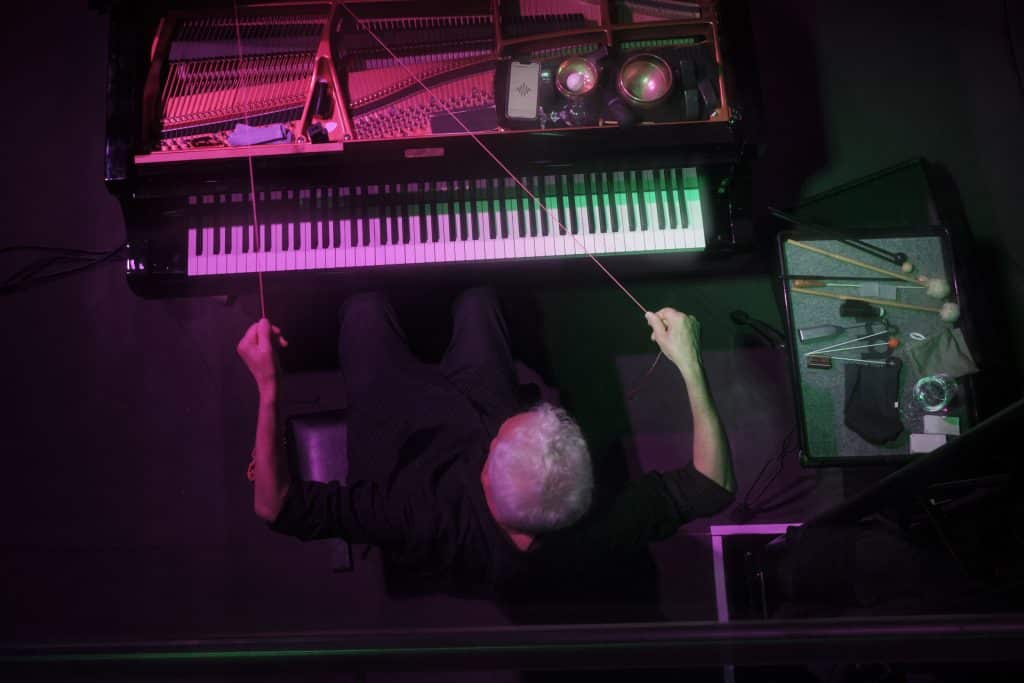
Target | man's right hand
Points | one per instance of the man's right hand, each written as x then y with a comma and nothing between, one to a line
678,337
256,348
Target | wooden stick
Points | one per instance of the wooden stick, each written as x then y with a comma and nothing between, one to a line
877,302
853,261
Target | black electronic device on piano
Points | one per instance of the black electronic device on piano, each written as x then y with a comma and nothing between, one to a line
298,137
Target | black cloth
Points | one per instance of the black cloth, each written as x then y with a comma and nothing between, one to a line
872,395
418,438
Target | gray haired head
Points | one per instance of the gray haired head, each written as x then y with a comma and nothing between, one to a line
539,472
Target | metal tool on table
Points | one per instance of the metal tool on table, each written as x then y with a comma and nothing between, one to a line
872,288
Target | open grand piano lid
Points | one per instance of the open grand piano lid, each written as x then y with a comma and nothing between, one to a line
313,79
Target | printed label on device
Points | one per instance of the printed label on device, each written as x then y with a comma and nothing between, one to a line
523,81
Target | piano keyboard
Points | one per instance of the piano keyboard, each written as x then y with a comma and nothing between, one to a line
615,212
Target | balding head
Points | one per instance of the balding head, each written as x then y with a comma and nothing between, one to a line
538,476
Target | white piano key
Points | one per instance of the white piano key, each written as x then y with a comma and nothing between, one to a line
320,257
415,226
206,262
236,259
250,255
331,252
257,245
455,220
695,228
191,265
305,259
217,259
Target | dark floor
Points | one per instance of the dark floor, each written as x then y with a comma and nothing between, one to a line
128,423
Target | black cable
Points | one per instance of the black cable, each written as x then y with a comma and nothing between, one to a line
33,280
750,505
40,265
895,258
63,250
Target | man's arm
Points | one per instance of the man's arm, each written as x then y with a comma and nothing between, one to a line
678,336
271,477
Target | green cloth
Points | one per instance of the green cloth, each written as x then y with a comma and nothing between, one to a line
945,353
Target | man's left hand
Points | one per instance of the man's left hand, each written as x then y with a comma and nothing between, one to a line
256,348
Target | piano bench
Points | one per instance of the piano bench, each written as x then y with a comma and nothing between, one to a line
317,448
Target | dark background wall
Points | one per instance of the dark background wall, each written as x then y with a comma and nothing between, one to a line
126,424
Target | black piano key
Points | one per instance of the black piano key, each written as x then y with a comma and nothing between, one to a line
245,237
389,219
665,199
458,211
506,209
498,223
391,213
362,212
316,219
517,193
375,216
659,205
536,204
379,211
523,204
588,202
433,196
227,239
464,209
265,239
421,211
472,220
646,190
609,194
677,210
403,199
443,208
340,211
543,193
599,202
568,206
579,188
660,190
456,224
327,215
631,202
644,186
302,214
218,219
530,209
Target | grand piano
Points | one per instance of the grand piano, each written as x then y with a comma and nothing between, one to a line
392,139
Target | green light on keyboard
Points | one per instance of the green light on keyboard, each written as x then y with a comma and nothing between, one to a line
662,42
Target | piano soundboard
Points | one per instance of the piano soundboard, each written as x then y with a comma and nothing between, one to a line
627,136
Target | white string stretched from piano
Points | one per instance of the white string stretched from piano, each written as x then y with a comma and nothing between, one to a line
252,177
537,201
487,150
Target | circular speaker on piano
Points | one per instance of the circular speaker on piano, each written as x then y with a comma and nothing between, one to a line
644,80
576,77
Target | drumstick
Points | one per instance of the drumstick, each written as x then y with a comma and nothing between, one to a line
949,311
853,261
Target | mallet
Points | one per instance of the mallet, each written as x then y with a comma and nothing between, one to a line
935,287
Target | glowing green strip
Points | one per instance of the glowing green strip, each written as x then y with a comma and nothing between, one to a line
663,42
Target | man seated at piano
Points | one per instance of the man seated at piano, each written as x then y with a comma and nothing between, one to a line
453,477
